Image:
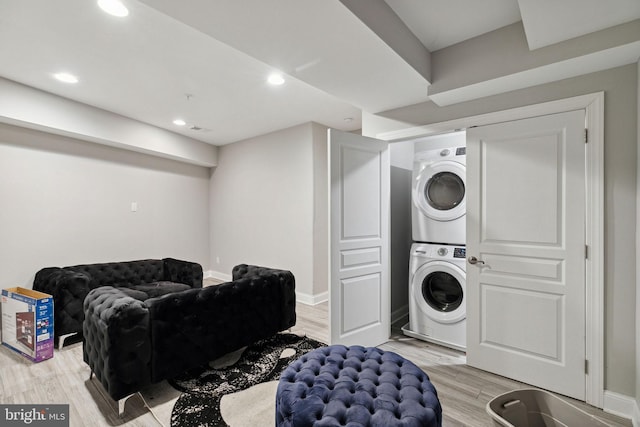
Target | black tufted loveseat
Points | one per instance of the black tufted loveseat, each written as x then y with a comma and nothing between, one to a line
130,341
70,285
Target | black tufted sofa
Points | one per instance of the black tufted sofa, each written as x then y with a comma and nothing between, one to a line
70,285
131,341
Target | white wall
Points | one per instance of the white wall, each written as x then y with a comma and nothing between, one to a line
620,87
636,417
67,202
320,213
262,205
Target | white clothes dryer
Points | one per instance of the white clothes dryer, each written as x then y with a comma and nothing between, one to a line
439,196
437,295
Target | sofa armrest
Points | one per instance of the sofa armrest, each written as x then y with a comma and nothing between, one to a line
116,344
69,289
44,281
241,271
286,282
189,273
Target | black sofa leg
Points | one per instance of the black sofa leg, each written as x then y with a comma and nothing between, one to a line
121,403
64,337
117,405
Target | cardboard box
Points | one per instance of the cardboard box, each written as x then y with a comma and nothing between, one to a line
27,322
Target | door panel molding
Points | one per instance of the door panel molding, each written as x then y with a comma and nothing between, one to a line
593,104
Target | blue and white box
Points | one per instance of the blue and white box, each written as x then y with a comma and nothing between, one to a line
27,322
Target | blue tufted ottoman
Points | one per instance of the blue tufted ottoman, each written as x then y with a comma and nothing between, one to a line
356,387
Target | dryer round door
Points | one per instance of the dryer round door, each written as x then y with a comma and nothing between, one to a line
440,190
439,288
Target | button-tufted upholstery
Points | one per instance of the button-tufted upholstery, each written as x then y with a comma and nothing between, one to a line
129,343
355,386
70,285
117,340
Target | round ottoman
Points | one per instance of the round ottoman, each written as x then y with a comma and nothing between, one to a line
355,386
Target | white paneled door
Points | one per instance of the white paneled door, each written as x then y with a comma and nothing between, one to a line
359,300
526,251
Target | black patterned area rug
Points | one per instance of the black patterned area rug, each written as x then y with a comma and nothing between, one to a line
203,388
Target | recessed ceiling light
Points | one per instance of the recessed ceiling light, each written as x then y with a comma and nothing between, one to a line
179,122
66,77
276,79
114,7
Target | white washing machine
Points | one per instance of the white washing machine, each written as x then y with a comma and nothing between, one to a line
437,295
439,194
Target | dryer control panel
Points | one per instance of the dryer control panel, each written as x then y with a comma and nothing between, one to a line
460,252
437,251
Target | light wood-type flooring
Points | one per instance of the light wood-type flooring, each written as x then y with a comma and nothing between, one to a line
463,391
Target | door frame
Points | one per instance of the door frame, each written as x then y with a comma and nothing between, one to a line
593,104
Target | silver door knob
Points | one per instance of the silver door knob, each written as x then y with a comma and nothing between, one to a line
473,260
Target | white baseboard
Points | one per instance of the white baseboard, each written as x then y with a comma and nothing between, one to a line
635,419
400,315
621,405
211,274
309,299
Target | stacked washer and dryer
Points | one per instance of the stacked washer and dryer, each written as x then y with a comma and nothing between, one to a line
437,279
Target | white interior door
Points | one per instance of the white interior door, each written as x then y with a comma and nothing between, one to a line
359,292
526,227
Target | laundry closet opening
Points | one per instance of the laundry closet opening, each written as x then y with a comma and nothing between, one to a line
428,207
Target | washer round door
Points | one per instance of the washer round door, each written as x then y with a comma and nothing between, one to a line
440,190
439,287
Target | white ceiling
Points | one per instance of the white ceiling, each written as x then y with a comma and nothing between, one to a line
220,53
442,23
551,21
